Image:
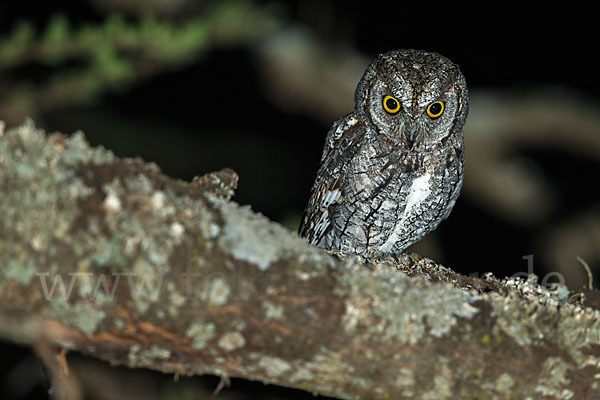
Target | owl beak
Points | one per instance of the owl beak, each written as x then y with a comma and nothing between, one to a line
411,133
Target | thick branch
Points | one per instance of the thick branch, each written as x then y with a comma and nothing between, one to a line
113,259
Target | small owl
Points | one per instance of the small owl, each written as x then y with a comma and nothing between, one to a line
392,169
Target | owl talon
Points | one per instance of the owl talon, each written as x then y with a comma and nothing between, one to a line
338,253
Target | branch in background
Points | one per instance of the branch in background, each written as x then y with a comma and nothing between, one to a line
110,258
114,55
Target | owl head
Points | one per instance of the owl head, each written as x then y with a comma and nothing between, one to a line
414,98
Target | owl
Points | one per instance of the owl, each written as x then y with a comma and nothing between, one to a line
392,169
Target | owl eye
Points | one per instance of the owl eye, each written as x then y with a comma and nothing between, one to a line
435,109
391,104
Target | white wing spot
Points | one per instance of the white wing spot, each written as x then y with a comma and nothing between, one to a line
319,228
351,121
331,197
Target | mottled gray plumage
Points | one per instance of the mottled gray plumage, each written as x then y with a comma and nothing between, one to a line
392,169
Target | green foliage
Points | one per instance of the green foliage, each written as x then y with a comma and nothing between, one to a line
13,48
55,39
87,59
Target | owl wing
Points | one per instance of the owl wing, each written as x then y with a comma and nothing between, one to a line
327,191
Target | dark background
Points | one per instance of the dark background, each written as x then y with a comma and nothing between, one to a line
215,110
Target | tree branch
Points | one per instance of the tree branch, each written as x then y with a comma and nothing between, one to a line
113,259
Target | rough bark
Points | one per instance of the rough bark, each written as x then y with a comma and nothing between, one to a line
174,276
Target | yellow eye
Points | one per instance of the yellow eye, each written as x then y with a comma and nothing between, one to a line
435,109
391,104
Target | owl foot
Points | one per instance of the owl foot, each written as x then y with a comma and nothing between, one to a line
403,261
